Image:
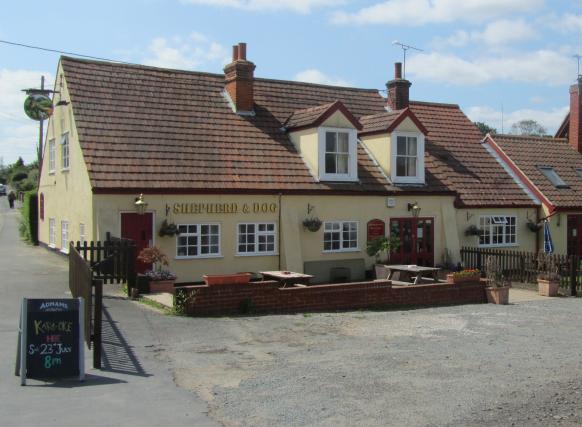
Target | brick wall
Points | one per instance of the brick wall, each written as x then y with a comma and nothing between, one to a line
267,297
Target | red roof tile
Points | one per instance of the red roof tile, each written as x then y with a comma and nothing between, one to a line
529,152
315,116
156,130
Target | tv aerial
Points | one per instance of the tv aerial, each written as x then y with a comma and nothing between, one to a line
578,57
404,48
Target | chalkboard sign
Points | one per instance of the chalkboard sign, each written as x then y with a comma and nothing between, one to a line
51,338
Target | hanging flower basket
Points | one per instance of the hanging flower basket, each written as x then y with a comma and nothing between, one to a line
533,227
312,224
168,229
473,230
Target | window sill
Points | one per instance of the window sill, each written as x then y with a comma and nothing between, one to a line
199,257
64,251
338,178
336,251
52,172
502,245
256,254
64,170
52,246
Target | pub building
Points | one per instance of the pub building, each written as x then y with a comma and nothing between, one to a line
260,174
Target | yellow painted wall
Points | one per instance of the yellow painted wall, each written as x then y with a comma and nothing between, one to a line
379,146
558,230
526,240
297,244
305,141
67,194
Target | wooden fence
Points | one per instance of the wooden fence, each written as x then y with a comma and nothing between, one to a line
82,283
523,266
112,260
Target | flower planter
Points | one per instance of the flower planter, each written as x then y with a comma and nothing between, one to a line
162,286
462,279
548,288
497,295
381,271
227,279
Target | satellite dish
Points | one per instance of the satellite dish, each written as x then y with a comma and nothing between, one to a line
38,107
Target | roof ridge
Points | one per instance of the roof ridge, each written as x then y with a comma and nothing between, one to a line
529,137
439,104
206,73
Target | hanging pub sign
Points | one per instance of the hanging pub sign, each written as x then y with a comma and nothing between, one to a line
376,228
51,339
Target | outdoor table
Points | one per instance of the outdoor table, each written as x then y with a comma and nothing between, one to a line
411,270
287,277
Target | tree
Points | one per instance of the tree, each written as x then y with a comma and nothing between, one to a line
528,127
485,128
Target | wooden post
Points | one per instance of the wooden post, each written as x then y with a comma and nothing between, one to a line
131,275
97,318
573,274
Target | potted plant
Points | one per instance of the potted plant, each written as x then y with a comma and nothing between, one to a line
160,279
548,275
376,247
467,275
168,229
312,224
497,289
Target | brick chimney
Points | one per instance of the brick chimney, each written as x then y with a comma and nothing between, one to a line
398,90
575,127
239,76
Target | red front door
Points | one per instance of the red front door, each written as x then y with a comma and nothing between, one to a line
139,229
575,235
416,241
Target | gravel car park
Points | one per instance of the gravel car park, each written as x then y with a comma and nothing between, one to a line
483,365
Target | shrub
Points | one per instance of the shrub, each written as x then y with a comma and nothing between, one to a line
28,226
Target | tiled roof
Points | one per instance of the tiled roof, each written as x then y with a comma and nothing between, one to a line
528,152
157,130
457,159
388,121
314,116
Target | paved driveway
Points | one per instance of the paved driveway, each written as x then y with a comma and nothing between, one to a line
135,389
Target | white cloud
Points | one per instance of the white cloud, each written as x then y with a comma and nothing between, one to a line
299,6
420,12
551,120
542,66
18,133
191,52
497,33
316,76
567,23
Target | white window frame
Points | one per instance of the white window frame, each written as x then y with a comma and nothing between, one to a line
65,236
352,174
198,234
490,230
52,233
341,240
52,163
65,151
419,178
82,233
257,235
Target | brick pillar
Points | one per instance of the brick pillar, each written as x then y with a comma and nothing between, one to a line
239,78
398,90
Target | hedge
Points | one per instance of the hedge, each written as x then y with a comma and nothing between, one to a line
29,217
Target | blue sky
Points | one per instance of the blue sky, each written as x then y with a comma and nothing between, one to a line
480,54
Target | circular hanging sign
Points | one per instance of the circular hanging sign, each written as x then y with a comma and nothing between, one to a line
38,107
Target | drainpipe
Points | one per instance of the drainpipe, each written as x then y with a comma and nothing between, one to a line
279,232
538,232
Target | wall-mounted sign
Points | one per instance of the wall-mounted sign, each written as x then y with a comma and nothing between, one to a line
390,202
223,208
51,339
376,228
38,107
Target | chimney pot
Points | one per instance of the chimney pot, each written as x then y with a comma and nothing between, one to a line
242,51
398,70
234,53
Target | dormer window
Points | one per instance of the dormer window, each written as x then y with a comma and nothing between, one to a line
407,158
337,154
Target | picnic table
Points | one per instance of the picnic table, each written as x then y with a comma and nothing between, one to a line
413,273
287,277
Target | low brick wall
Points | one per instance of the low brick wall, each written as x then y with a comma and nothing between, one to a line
268,297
